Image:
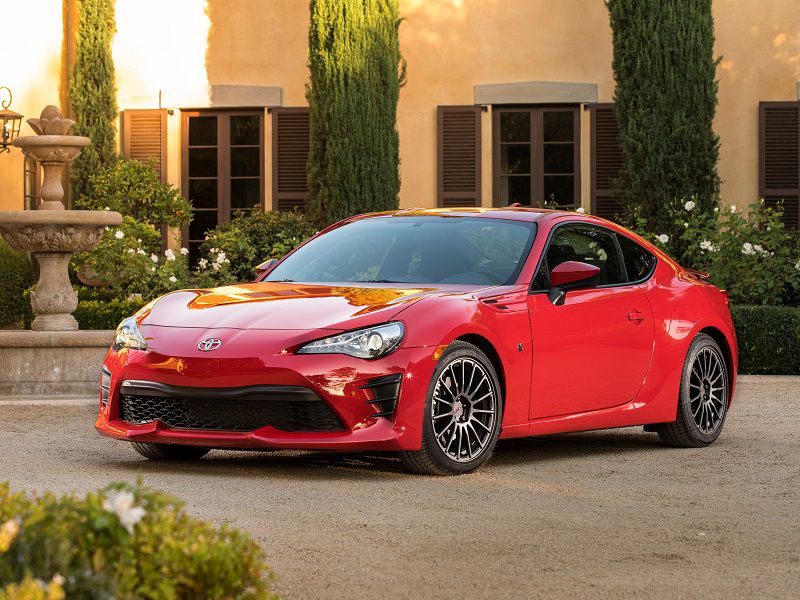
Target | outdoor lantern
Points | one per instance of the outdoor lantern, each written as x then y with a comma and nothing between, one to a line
9,122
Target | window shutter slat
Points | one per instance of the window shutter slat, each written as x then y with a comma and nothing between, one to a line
459,156
144,137
290,131
606,161
779,157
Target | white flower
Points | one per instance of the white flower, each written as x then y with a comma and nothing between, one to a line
173,279
689,205
215,266
184,251
769,228
108,229
131,251
107,208
663,238
716,209
733,208
221,257
119,234
797,265
686,225
169,253
214,250
580,209
153,269
154,258
747,249
141,251
121,504
706,245
202,263
58,579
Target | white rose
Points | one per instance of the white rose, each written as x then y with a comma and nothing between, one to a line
685,225
119,234
748,249
221,257
202,263
215,266
580,209
173,279
184,251
733,208
169,254
154,258
797,265
663,238
689,205
121,504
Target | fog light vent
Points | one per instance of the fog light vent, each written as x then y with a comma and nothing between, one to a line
105,386
385,391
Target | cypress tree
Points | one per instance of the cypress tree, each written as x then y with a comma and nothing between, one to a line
92,92
665,101
356,71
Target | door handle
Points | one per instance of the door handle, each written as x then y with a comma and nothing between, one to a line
635,315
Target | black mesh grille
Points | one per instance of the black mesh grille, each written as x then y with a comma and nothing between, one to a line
229,414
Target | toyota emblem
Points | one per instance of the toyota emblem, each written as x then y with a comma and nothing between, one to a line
209,344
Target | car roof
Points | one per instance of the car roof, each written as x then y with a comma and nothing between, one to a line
508,212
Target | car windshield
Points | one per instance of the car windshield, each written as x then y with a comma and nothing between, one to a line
411,249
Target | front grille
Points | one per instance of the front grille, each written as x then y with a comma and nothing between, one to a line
230,412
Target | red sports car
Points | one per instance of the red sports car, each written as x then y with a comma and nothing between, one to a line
431,333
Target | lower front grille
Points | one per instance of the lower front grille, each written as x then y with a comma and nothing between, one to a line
227,409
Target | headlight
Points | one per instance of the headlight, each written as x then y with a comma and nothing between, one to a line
372,342
129,336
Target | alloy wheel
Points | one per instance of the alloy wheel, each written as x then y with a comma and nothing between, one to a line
464,409
708,390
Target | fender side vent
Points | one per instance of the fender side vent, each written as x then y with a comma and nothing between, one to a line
385,391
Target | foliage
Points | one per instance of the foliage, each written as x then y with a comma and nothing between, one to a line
754,257
128,260
105,314
769,339
124,542
92,91
133,188
356,71
665,101
16,276
232,251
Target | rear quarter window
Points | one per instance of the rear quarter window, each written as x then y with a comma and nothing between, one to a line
639,262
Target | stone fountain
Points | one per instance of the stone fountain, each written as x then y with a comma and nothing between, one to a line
52,234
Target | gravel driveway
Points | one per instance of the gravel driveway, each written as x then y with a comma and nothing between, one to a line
608,514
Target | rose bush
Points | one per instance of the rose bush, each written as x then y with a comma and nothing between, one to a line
125,541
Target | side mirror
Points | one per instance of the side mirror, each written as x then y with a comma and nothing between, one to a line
265,267
571,275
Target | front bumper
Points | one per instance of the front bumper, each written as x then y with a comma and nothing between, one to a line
345,384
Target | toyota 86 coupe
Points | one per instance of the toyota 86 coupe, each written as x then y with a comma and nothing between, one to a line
429,333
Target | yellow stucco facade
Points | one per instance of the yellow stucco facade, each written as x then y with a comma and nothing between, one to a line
176,52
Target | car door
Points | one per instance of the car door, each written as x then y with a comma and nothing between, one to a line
594,350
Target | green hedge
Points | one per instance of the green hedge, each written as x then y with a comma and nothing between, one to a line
16,276
769,339
105,314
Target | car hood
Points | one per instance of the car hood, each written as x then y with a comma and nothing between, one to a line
290,306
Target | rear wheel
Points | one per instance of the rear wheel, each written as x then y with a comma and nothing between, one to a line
463,410
169,451
703,401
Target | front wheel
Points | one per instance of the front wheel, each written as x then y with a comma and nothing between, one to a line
463,410
169,451
703,400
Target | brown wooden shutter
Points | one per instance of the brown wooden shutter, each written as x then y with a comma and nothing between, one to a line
289,158
779,157
144,137
606,161
459,155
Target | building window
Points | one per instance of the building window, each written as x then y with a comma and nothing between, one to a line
223,168
536,156
31,183
779,158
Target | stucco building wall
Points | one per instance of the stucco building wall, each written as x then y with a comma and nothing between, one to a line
450,45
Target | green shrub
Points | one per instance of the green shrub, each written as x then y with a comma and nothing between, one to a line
16,276
232,251
769,339
754,257
125,542
105,314
132,188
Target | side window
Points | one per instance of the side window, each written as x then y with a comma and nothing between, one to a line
586,244
638,261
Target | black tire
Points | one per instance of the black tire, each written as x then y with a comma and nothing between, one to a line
169,451
432,459
690,430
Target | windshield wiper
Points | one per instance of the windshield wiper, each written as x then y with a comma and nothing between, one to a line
380,281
